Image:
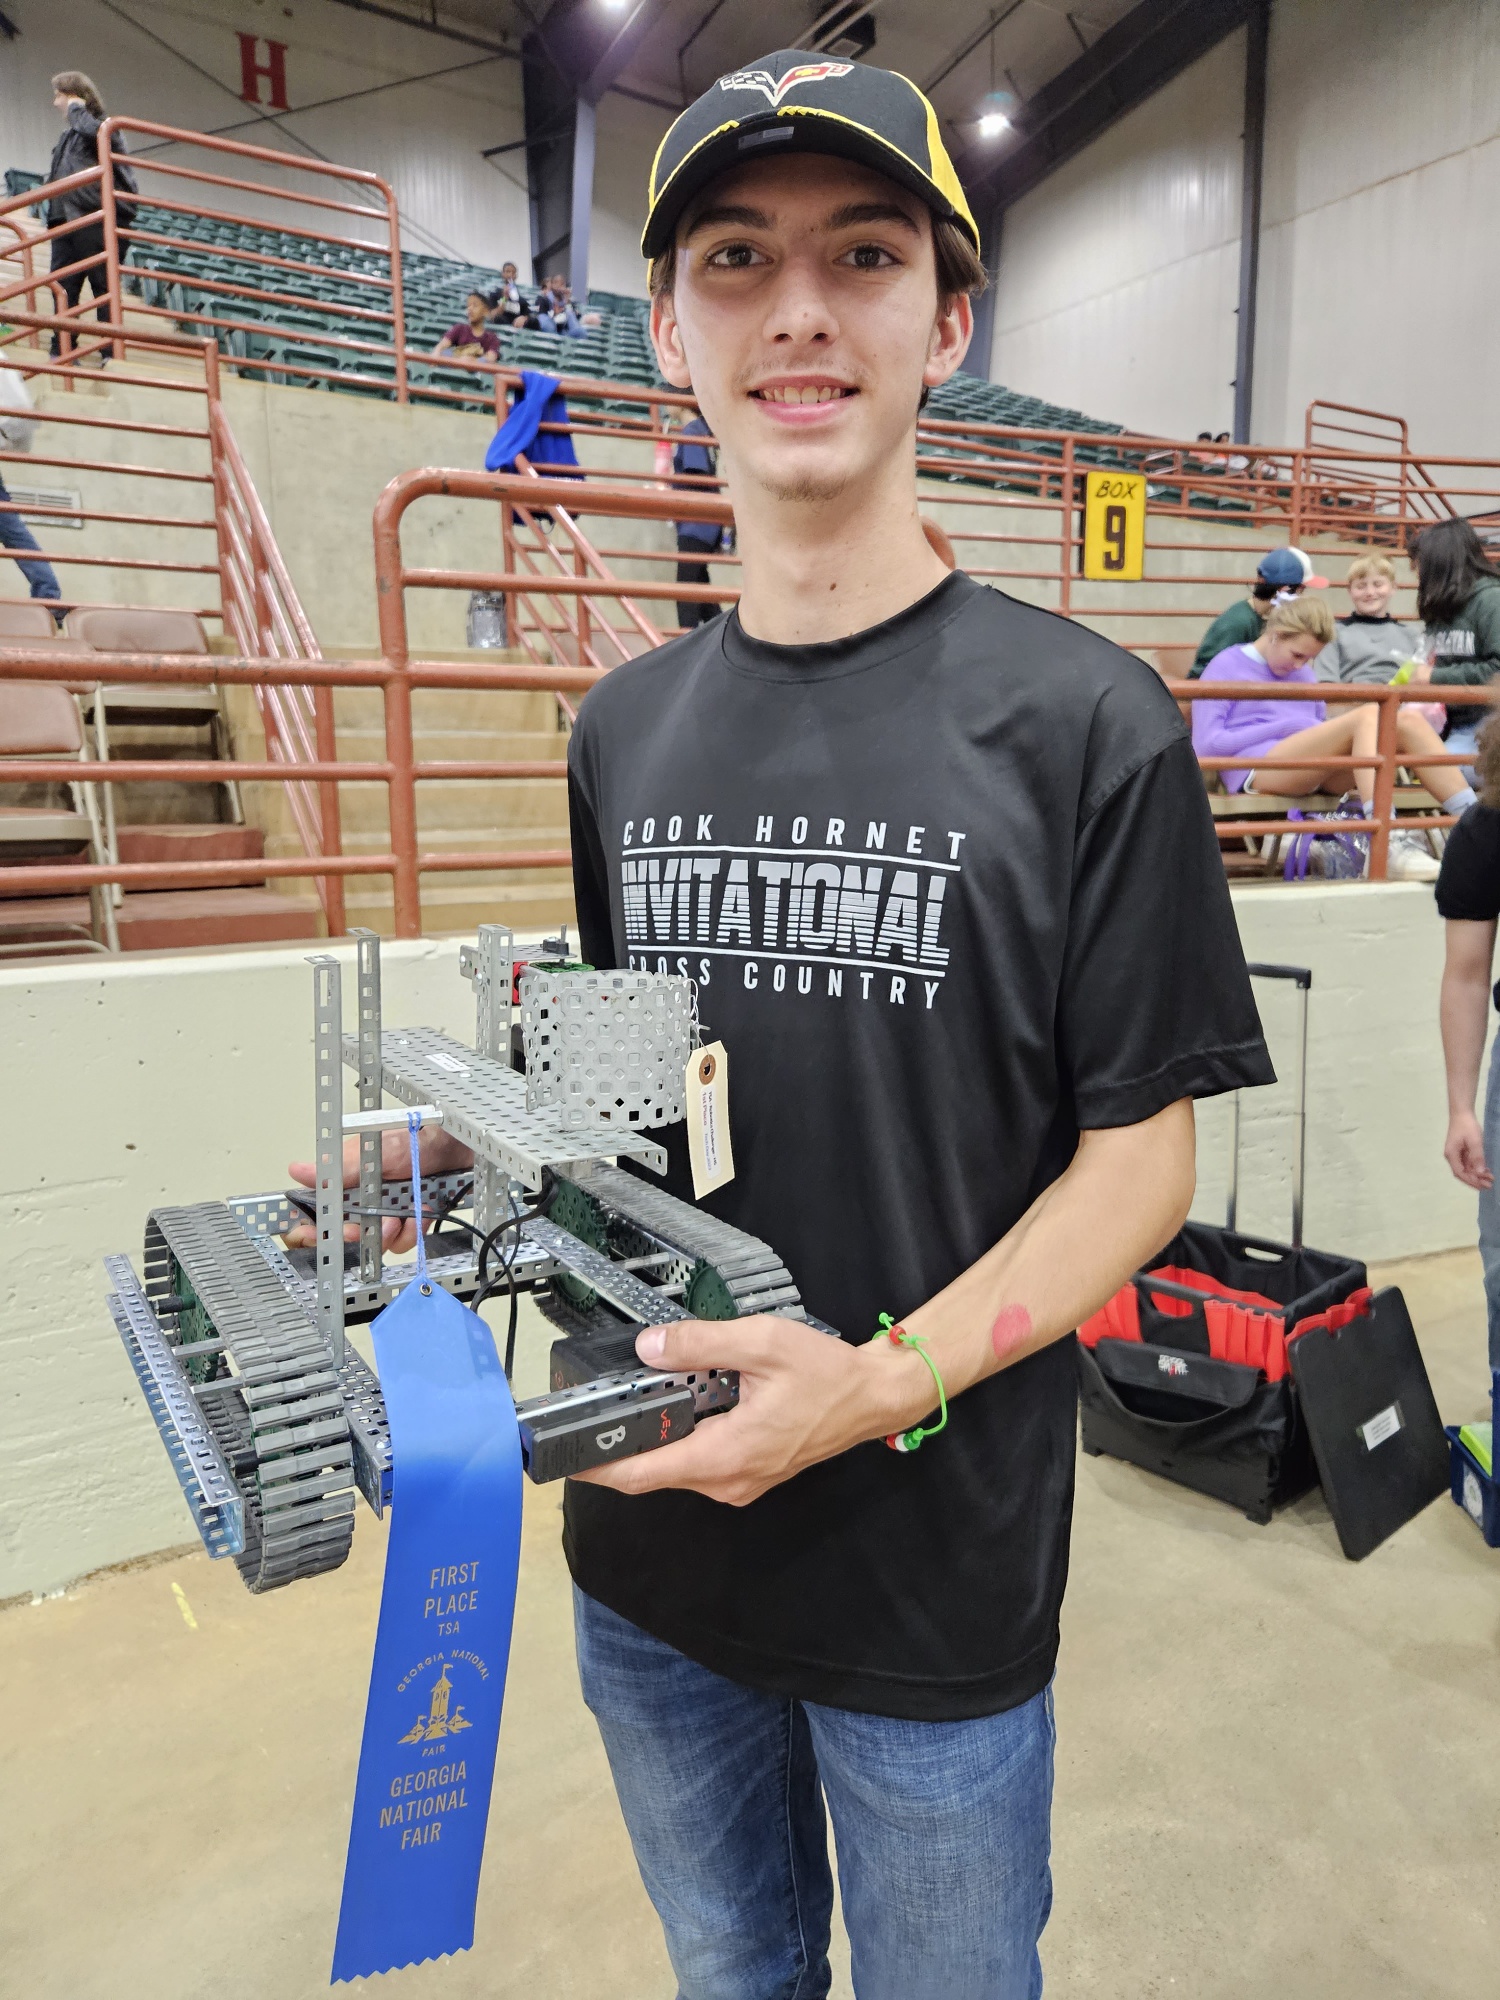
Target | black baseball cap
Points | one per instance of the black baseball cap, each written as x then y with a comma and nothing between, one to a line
788,103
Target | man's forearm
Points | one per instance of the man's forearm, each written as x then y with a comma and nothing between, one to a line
1126,1193
1464,1014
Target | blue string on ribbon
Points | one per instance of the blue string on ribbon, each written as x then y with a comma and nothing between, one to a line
442,1646
413,1133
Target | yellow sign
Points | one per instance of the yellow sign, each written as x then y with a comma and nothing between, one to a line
1114,527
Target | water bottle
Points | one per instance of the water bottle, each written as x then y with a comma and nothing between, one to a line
486,621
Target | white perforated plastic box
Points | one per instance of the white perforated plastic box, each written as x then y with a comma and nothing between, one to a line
606,1047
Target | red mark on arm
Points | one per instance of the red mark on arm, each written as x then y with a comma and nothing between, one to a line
1012,1329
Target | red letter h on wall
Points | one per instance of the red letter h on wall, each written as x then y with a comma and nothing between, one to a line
273,69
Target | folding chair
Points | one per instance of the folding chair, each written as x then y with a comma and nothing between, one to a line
41,719
25,619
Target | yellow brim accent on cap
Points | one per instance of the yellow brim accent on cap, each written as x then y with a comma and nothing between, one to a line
942,173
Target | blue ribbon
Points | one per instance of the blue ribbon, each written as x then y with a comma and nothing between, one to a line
442,1646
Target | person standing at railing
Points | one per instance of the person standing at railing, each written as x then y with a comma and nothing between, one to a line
1458,595
1282,574
1296,632
17,427
697,541
76,150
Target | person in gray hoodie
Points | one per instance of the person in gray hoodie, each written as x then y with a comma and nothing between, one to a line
1369,646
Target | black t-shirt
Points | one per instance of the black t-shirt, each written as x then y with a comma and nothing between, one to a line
1468,883
950,891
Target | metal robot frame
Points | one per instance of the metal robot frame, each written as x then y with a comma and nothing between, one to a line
270,1416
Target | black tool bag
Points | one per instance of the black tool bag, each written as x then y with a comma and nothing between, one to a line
1216,1426
1166,1403
1298,1280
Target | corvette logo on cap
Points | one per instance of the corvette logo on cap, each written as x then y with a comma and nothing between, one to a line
772,88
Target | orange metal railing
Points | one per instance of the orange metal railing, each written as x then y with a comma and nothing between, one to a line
1386,760
1008,500
399,677
257,604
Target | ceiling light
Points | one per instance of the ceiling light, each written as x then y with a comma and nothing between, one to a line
992,124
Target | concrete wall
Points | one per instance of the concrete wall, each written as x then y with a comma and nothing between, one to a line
186,1077
160,1078
319,462
363,92
418,109
1117,279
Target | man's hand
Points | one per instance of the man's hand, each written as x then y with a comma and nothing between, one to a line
439,1154
1463,1149
804,1397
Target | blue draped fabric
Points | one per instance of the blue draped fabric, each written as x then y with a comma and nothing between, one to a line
550,451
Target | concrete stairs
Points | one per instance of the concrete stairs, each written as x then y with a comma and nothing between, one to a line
453,815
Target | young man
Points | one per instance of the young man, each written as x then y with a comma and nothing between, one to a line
1281,574
943,869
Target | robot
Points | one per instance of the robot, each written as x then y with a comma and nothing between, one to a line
271,1418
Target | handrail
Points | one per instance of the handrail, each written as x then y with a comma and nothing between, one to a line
258,603
1380,494
1385,761
266,616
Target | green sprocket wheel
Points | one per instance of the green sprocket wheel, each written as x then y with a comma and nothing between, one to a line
707,1296
571,1209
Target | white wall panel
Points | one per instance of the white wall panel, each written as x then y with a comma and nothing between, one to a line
627,135
1380,283
1118,274
425,138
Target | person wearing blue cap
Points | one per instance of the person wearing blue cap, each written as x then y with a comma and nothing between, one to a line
1282,574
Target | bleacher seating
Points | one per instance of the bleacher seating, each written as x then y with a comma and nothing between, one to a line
618,350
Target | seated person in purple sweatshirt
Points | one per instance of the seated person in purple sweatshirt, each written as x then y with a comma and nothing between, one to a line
1295,632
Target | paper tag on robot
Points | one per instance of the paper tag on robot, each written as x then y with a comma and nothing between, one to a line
707,1096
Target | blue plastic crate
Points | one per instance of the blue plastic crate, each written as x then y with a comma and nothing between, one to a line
1475,1487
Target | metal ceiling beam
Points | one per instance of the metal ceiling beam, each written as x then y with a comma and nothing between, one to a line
980,36
1130,62
433,27
1256,49
622,47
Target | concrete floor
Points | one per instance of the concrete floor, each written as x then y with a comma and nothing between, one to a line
1277,1770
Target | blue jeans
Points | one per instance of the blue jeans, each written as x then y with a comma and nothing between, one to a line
14,534
1489,1204
943,1830
1464,736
